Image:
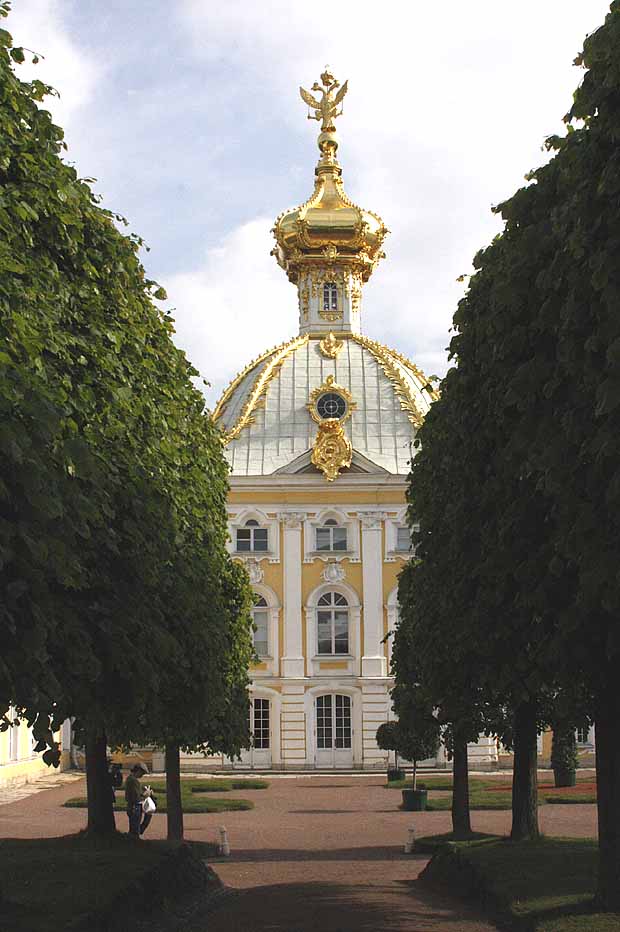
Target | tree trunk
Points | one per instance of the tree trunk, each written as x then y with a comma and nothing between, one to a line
414,774
99,786
608,788
173,792
524,776
461,822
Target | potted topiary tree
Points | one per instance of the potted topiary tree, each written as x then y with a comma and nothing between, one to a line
415,736
564,754
387,740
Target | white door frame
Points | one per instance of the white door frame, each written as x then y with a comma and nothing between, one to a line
334,688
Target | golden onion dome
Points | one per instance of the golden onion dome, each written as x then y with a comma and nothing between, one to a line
328,225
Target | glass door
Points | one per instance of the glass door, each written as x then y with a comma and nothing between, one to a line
333,731
261,733
259,753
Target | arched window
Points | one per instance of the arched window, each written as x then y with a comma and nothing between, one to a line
333,624
331,537
330,296
260,616
252,538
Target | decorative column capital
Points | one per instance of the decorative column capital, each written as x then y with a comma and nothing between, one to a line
292,519
372,520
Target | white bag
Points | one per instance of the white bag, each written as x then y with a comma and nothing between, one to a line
148,805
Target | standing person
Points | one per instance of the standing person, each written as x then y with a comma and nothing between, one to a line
133,798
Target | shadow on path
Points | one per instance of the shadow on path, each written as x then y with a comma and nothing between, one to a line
385,853
329,907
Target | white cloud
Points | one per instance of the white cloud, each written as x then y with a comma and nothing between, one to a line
236,305
40,25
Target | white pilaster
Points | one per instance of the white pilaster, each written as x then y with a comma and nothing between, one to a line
373,657
293,659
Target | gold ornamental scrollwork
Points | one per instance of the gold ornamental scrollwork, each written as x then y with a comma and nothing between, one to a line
331,451
330,346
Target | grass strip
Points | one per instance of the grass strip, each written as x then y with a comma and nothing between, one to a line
223,786
570,798
193,801
534,886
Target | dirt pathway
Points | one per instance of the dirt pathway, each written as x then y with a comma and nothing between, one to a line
317,854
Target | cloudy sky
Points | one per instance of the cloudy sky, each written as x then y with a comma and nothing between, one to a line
187,113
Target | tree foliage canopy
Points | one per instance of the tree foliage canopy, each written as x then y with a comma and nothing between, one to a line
114,574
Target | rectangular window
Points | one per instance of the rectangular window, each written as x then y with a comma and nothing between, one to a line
341,632
260,539
324,722
261,635
583,735
324,624
403,539
244,540
343,722
331,538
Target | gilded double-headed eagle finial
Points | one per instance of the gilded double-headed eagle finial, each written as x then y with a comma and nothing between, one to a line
327,108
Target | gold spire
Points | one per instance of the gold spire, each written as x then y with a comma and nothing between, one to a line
328,227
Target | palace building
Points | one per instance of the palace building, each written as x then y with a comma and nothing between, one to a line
319,433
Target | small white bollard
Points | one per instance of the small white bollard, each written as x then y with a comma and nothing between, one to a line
224,846
410,843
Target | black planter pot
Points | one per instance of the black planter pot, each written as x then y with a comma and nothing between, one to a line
565,777
414,800
395,773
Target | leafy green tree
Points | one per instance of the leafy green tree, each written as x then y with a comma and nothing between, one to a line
417,732
111,470
535,404
211,620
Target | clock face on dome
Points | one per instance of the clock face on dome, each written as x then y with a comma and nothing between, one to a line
331,404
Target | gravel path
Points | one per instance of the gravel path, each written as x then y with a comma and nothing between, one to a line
317,853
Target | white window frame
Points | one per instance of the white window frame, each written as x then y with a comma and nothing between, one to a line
589,742
251,526
263,611
333,607
343,519
330,296
311,608
392,524
269,665
237,521
328,529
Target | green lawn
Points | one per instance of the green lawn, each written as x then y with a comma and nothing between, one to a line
50,884
489,793
224,786
194,796
542,886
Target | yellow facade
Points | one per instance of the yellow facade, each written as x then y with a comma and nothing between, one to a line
18,761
